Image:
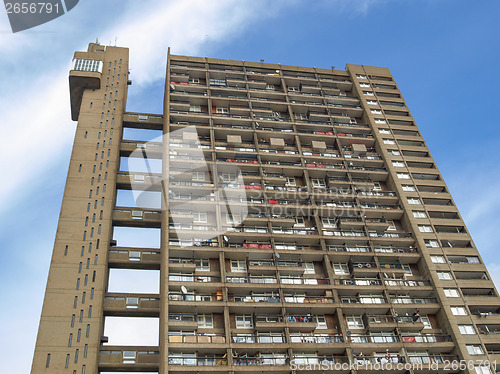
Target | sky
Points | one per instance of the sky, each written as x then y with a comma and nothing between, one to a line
444,55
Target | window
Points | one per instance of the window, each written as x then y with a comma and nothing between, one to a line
451,292
472,259
467,329
377,186
205,321
244,321
427,323
407,269
341,269
202,264
329,222
227,177
200,217
234,220
238,266
483,370
376,111
394,152
194,80
408,188
389,141
309,268
419,214
475,349
290,181
361,76
300,222
373,102
87,65
425,228
221,110
392,225
195,108
355,322
320,322
384,131
458,310
316,182
270,87
198,176
381,121
431,244
414,201
438,259
444,275
364,85
399,164
368,93
403,175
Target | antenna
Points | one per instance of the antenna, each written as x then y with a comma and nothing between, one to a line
115,40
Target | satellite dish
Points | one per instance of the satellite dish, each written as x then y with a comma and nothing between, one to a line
277,255
184,290
172,87
226,239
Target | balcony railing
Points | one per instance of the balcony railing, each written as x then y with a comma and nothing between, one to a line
254,298
193,278
317,360
354,338
296,280
301,299
428,338
407,283
262,339
359,282
395,250
197,361
362,300
336,248
416,300
260,361
178,296
197,338
316,338
431,358
250,279
387,358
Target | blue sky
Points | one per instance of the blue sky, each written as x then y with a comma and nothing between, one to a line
444,55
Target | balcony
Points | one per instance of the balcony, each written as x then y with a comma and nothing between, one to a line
137,217
197,338
378,323
303,323
184,321
269,322
134,258
117,358
252,279
264,338
260,361
313,338
140,305
186,360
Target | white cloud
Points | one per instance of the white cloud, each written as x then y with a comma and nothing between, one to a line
185,26
36,119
